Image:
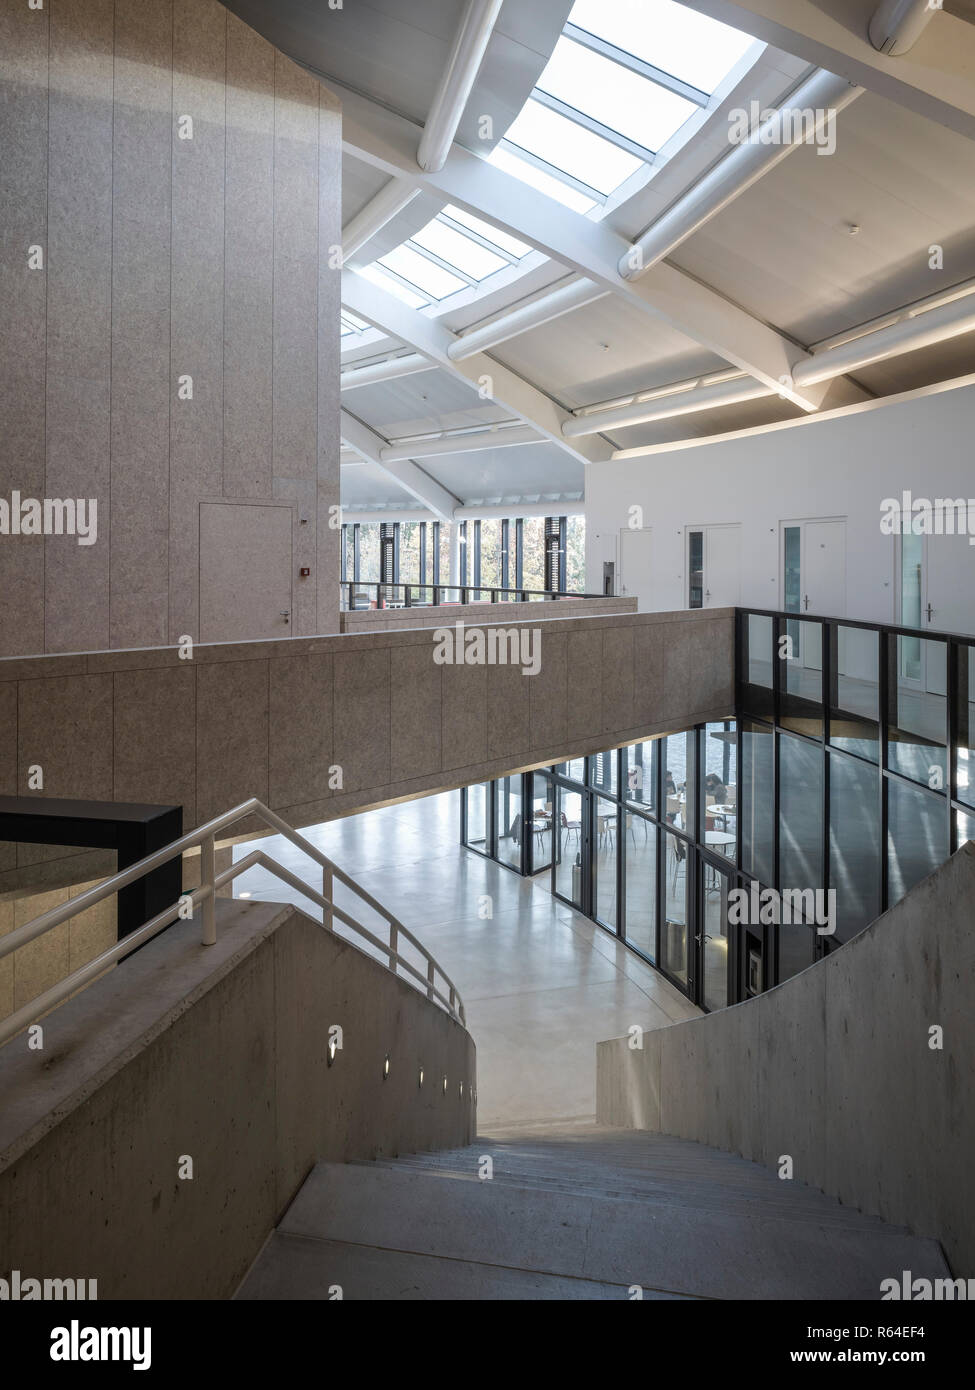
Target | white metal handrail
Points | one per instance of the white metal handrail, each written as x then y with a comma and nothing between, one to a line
205,897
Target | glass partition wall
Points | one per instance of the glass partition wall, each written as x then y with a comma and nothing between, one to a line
855,762
510,820
642,839
735,854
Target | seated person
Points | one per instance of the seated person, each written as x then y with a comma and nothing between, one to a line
713,786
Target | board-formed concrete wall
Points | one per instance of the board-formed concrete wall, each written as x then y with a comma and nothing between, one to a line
218,1055
275,719
161,252
836,1068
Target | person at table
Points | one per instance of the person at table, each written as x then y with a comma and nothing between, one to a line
670,798
714,787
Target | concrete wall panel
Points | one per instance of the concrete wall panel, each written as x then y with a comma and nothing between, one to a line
197,344
79,314
141,289
127,1088
270,719
838,1068
249,265
164,258
24,44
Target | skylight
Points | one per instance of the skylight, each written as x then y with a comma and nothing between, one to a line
458,250
623,79
394,285
455,251
564,145
509,244
690,46
422,272
506,158
351,323
620,99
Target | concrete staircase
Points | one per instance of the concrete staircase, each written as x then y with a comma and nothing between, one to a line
576,1212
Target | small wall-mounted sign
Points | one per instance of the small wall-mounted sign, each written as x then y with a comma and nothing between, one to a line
304,571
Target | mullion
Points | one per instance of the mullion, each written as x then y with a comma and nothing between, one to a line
660,76
443,265
484,242
547,167
407,284
595,127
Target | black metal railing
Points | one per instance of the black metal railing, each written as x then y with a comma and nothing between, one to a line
847,772
881,716
373,594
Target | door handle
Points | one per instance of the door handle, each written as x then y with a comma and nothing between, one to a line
929,612
806,601
286,614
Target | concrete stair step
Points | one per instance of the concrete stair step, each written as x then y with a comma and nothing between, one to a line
671,1248
802,1205
757,1178
293,1267
743,1176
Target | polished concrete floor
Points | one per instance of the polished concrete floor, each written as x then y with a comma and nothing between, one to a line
541,984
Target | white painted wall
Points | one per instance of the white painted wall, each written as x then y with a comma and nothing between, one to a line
841,464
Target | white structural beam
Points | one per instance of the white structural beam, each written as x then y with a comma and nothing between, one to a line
409,476
392,198
469,443
934,79
896,25
551,305
389,370
491,379
664,407
589,248
554,506
913,329
457,82
800,118
489,511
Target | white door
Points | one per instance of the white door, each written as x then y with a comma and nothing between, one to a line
813,567
722,566
813,579
825,558
935,595
713,561
245,571
635,578
949,584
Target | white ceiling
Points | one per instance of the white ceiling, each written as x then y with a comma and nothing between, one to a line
783,250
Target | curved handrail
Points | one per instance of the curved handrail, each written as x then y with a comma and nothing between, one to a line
204,896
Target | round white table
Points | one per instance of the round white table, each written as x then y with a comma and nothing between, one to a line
720,839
